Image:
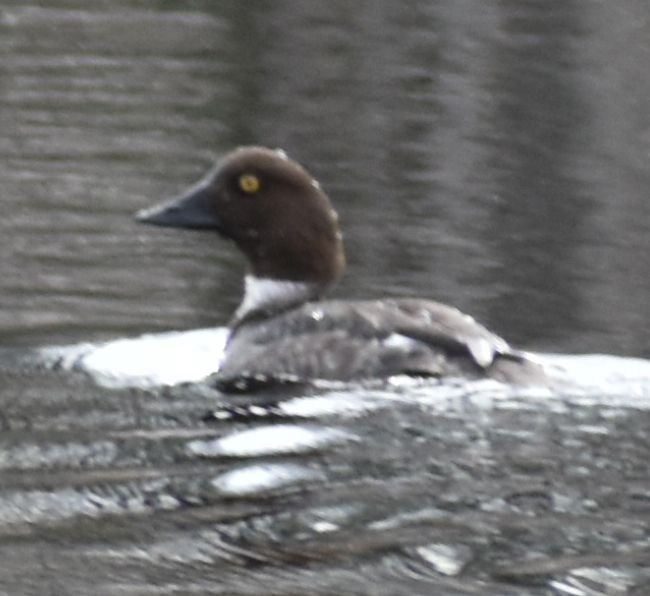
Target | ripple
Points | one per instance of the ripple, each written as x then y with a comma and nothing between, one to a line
342,404
72,454
592,581
18,508
261,479
446,559
270,440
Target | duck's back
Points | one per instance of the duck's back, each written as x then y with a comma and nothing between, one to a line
357,340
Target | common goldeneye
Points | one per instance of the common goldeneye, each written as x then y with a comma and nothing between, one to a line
283,222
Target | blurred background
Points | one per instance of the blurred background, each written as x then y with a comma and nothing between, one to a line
492,155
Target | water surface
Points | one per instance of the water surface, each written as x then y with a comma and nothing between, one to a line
493,156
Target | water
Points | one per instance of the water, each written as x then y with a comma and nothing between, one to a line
492,156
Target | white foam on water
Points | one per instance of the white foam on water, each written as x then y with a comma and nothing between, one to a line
147,361
189,356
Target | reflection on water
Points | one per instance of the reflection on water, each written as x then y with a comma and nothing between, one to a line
493,156
418,488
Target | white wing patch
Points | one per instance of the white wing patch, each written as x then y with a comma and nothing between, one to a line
482,351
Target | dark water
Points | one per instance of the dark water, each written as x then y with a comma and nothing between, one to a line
493,155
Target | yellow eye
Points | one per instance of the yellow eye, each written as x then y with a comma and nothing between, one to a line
249,183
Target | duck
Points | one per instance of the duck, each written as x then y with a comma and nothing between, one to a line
285,330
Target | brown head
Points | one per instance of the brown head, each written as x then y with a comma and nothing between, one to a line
273,210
